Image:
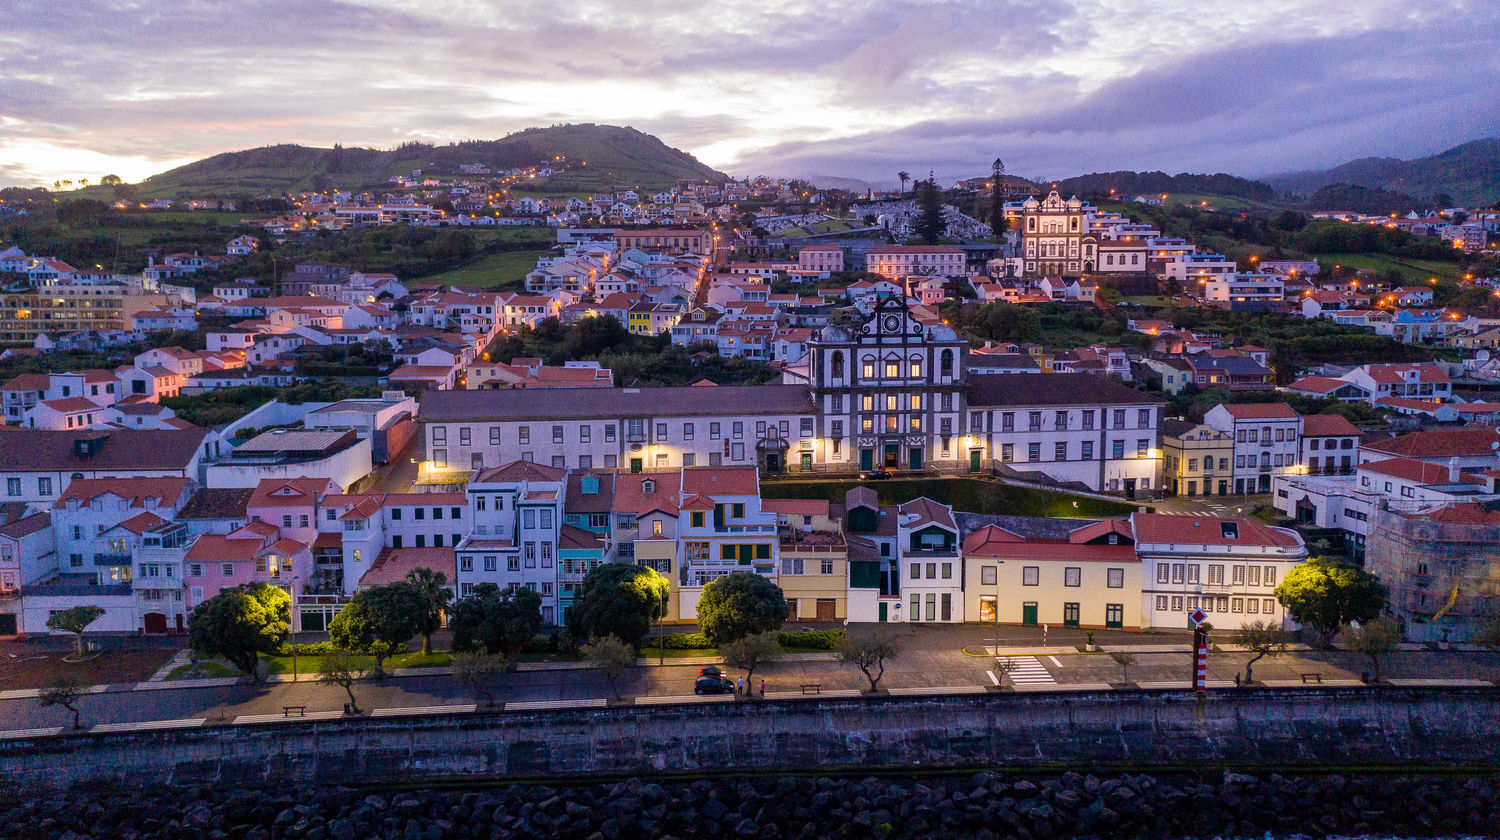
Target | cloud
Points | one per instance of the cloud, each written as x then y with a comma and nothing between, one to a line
851,88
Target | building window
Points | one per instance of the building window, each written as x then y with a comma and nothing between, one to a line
1115,579
1060,451
1073,576
1031,575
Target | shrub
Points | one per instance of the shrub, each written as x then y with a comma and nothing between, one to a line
680,641
810,639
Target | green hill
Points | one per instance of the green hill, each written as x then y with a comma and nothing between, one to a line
1469,173
599,156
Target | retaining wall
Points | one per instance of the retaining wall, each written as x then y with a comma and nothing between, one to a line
1164,729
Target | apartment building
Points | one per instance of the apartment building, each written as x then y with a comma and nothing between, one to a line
1227,567
1267,441
1196,459
898,261
1035,570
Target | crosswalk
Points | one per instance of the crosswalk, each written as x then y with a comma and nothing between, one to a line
1027,670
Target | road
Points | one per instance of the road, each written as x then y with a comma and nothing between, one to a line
931,657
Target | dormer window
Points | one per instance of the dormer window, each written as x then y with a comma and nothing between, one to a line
1230,530
648,486
1114,539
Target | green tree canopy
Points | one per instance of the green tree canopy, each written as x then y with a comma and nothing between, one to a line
241,624
620,600
930,205
433,587
496,622
740,604
1326,594
75,620
380,620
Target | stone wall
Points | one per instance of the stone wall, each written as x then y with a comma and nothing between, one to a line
1161,729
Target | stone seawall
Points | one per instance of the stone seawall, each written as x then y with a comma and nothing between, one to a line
1146,729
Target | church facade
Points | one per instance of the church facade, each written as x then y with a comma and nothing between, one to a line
1055,239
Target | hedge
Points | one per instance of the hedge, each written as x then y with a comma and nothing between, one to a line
805,639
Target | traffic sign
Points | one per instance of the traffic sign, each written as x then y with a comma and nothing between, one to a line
1197,616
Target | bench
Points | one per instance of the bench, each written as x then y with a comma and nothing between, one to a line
1312,678
286,711
812,688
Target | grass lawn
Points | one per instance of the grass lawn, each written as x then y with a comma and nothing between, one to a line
1222,203
504,271
206,670
309,664
971,494
1413,271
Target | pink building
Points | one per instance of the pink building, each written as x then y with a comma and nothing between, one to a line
291,504
257,552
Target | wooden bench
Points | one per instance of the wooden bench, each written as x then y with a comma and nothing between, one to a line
812,688
1312,678
286,711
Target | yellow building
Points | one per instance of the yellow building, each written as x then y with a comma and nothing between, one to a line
1068,573
814,560
1197,459
61,309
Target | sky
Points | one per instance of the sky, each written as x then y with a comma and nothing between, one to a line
835,88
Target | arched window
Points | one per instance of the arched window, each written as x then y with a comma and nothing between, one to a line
1031,224
838,364
945,367
1073,223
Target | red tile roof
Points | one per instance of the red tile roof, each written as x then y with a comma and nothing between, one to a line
392,564
270,492
1206,530
1260,411
166,491
1440,443
1421,472
1328,425
927,512
721,481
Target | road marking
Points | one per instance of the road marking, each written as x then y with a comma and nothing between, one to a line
663,699
281,718
1028,671
145,725
529,705
31,733
1054,661
994,679
455,709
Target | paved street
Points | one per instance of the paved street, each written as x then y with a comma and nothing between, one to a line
960,658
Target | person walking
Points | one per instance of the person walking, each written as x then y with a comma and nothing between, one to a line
741,690
762,688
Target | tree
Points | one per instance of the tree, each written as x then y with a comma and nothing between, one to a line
904,176
1262,638
493,621
751,653
740,604
342,669
1005,666
1124,659
997,198
930,205
64,691
620,600
1375,638
110,181
380,620
478,670
433,587
1327,594
611,657
868,652
75,620
241,624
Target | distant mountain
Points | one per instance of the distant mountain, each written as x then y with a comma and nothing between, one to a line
612,154
1470,173
1129,184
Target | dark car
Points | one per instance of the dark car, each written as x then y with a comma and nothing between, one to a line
713,685
877,474
710,671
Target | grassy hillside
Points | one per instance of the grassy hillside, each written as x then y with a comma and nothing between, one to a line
1470,173
599,156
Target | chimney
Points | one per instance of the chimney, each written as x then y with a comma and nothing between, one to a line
1453,470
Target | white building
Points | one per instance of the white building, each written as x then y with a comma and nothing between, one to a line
1229,568
1267,441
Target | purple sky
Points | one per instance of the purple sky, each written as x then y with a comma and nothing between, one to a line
833,88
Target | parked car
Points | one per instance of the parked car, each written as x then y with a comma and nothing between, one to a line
710,671
714,684
877,474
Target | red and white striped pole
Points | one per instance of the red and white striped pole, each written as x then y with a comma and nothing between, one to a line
1200,663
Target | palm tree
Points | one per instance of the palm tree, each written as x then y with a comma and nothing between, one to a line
433,587
904,176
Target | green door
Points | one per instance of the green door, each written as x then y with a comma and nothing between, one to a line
1028,613
974,455
807,462
914,457
1114,616
882,611
1070,614
635,465
892,456
867,459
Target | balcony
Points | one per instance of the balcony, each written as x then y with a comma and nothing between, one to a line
112,559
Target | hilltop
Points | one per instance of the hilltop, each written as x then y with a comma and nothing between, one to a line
598,156
1469,173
